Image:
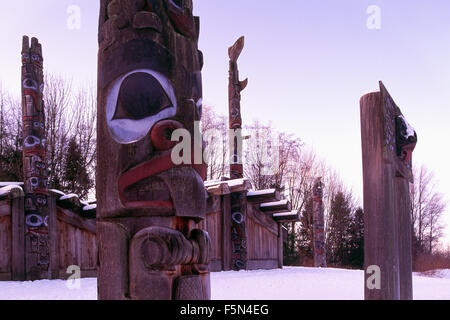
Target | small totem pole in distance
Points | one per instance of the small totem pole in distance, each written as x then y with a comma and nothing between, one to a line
34,167
320,256
149,85
387,145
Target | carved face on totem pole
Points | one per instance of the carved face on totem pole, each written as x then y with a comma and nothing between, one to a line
149,85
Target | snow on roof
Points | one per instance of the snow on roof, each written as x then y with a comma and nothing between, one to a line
285,214
274,204
231,183
68,196
5,184
90,207
57,192
7,189
260,192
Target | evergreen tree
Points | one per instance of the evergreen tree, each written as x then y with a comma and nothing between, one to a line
357,239
75,175
305,239
338,240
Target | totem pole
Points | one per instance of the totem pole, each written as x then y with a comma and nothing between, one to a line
238,200
320,256
387,145
37,259
148,204
235,86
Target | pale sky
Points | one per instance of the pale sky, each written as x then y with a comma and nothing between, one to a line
308,64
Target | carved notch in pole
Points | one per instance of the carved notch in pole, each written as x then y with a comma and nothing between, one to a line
387,145
148,204
37,254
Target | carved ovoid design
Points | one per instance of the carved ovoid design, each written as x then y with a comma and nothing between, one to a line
149,85
319,226
34,166
235,86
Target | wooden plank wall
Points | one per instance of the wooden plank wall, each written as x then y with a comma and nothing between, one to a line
213,225
77,247
262,245
5,240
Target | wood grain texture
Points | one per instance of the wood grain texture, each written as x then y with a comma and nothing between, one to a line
387,234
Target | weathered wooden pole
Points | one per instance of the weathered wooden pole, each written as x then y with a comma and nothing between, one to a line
238,200
320,255
37,259
387,145
235,86
148,202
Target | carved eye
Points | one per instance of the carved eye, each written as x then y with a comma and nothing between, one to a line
30,84
140,96
136,102
31,141
41,201
34,220
34,182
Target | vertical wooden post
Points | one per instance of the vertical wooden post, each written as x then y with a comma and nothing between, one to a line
53,237
387,144
403,209
320,255
226,232
18,238
239,237
280,245
235,86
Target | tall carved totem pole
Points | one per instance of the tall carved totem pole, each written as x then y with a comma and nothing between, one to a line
235,86
37,261
320,255
149,85
387,145
238,200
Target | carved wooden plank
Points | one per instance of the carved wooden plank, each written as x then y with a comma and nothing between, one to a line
53,236
280,245
262,219
275,207
226,232
5,207
262,196
18,239
5,244
75,220
292,216
213,204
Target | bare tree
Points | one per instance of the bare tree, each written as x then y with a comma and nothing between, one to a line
427,208
215,133
57,99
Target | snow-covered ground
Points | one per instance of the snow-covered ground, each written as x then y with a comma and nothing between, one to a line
291,283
